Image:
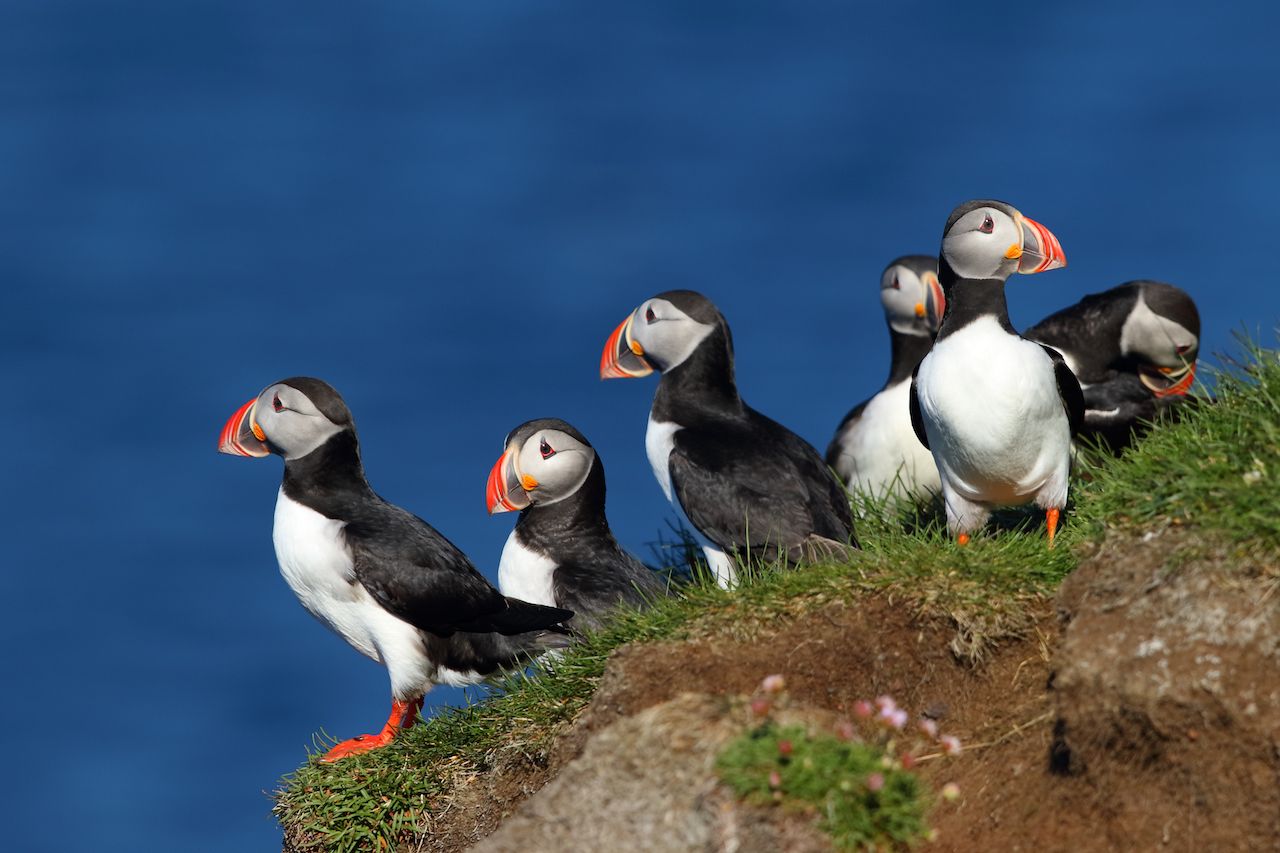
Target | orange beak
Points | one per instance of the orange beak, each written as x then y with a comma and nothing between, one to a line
935,301
622,357
1168,381
504,491
1040,249
242,436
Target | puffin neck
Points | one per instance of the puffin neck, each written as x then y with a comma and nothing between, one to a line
969,299
702,383
326,475
579,512
907,352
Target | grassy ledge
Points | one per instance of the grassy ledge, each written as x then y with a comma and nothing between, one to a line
1215,470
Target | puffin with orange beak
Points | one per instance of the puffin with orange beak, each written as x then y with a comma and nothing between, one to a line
750,488
875,450
1134,350
997,411
561,552
377,575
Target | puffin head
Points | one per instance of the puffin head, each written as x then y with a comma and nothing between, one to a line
542,462
991,239
912,295
1162,335
290,418
660,334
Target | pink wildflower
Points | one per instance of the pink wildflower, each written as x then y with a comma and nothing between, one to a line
844,730
950,744
784,747
862,709
951,792
928,727
775,779
885,703
760,706
773,684
908,761
875,781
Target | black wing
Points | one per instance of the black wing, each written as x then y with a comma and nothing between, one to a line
917,422
756,484
421,577
1068,389
592,590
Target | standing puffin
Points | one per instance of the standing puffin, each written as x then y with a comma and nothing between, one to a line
875,449
561,552
1134,350
380,577
998,411
749,486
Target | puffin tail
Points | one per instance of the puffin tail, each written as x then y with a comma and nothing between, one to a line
521,617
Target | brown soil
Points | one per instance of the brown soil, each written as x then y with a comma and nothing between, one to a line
1144,714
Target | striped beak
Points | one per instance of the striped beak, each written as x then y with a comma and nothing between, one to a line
1040,250
623,357
935,301
1168,381
505,491
242,436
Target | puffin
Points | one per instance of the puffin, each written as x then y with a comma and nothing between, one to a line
380,577
1134,350
748,486
997,411
561,552
875,450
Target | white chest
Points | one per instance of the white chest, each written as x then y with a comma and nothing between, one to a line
525,574
659,439
879,453
991,409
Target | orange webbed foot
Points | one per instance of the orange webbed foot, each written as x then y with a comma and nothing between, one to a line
1051,521
962,539
403,716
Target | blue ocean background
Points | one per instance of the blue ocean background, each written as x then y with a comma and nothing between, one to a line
443,210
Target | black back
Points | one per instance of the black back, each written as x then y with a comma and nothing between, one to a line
409,568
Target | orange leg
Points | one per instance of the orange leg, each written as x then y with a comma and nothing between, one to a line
1051,519
962,539
403,716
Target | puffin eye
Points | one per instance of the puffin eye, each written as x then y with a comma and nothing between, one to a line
276,404
649,316
896,285
545,449
988,225
1183,349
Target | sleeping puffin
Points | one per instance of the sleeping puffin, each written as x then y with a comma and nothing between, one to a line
751,488
997,410
1134,350
875,449
377,575
561,552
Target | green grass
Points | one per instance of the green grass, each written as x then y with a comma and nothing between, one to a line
861,799
1215,471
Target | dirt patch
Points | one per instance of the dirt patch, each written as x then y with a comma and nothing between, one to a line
1140,713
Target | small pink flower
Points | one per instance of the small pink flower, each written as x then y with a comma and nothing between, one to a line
775,779
773,684
908,761
844,730
760,706
784,747
951,792
928,727
862,709
893,717
885,703
950,744
875,781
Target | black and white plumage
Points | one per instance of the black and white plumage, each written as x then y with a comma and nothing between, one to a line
377,575
875,449
748,486
561,552
997,411
1134,350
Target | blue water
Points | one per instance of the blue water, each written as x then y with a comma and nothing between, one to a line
444,209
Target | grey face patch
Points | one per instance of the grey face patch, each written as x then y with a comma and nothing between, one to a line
912,299
1156,339
666,333
977,244
291,422
558,461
